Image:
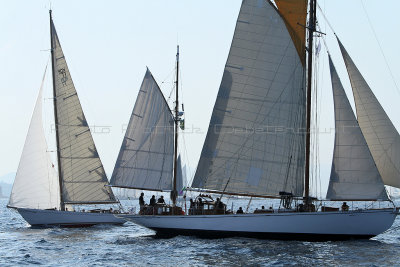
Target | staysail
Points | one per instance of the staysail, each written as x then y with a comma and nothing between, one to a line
83,177
36,182
382,137
354,175
180,177
145,160
255,142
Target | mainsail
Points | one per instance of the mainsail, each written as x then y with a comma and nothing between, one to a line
83,177
36,182
382,137
255,142
354,175
145,160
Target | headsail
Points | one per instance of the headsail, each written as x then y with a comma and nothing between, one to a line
382,137
180,177
256,142
354,175
145,160
83,177
36,182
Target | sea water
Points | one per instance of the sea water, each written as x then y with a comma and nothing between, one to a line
132,245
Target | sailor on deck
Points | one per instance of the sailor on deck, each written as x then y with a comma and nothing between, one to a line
141,200
161,200
153,200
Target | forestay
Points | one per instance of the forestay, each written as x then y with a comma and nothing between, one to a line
36,182
145,160
83,176
354,175
382,137
255,142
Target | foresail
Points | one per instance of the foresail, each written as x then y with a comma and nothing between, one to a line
354,175
83,177
255,142
382,137
145,160
179,177
36,182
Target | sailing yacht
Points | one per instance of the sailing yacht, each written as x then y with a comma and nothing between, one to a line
148,158
258,141
43,195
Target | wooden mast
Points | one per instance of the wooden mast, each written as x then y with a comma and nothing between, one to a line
60,180
174,193
311,29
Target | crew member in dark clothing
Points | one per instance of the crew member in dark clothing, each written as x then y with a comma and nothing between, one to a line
161,200
219,205
345,207
200,203
153,200
239,211
141,200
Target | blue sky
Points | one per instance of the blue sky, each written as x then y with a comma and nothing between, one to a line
108,45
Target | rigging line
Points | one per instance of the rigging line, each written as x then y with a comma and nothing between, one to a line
173,85
326,19
380,47
169,74
316,124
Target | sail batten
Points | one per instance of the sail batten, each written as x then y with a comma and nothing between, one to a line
382,137
354,174
257,149
145,160
82,173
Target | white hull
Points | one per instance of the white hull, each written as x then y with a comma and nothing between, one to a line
37,217
295,225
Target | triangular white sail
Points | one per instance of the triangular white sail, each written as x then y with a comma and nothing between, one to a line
382,137
256,140
145,160
83,177
36,182
354,175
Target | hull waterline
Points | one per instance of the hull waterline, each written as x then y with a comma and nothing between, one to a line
287,226
43,218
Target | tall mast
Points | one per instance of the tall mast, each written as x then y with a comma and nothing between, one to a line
311,29
175,193
62,205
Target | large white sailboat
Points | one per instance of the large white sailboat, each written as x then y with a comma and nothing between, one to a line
44,196
258,141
